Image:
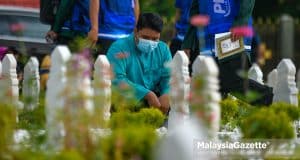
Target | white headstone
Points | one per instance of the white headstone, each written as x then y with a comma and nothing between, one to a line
102,85
78,101
272,78
285,89
9,81
180,90
0,69
31,83
182,143
54,96
205,94
298,80
255,73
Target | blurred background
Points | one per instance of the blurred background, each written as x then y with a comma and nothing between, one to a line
276,22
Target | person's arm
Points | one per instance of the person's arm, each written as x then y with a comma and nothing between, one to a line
164,85
190,41
94,12
177,17
64,11
136,10
245,12
243,17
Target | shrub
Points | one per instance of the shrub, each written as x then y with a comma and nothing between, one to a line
129,143
265,123
233,112
229,111
150,117
292,111
8,115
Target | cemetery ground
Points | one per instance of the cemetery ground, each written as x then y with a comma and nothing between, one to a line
72,118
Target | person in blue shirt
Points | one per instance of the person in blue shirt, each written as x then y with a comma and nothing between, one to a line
117,19
138,61
225,16
182,23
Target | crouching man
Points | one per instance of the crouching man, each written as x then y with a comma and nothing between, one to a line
138,61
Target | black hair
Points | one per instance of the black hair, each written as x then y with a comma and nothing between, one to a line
150,20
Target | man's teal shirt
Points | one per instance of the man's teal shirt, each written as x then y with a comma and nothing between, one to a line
144,72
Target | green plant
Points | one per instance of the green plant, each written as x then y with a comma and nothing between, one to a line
133,134
32,119
233,111
265,123
8,115
150,117
229,110
292,111
129,143
299,99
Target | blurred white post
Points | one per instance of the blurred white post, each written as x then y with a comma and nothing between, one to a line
78,104
180,90
54,96
0,69
205,93
9,80
181,143
31,83
255,73
102,86
272,78
285,89
298,80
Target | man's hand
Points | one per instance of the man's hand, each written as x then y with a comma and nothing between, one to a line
187,52
235,36
165,103
93,37
241,31
152,100
51,35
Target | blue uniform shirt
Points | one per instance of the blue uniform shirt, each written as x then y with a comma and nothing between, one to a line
183,23
116,18
144,72
79,20
222,16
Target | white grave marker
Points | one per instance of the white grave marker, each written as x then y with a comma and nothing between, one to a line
285,89
54,96
298,80
9,81
102,85
31,83
272,78
205,95
180,90
255,73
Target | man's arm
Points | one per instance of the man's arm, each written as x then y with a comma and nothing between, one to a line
94,12
164,85
63,13
190,41
177,16
136,10
243,17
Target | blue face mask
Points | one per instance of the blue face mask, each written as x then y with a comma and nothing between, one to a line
146,46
